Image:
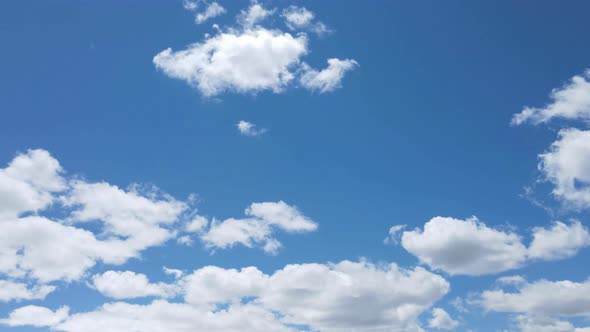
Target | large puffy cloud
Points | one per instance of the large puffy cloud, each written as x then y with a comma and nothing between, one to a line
339,297
567,166
129,285
257,229
465,246
16,291
254,60
251,58
470,247
572,101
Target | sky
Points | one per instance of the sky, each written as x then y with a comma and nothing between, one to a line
294,165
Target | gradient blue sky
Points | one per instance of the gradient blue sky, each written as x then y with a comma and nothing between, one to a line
421,128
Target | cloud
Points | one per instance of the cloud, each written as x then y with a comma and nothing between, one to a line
29,182
338,297
249,129
130,285
543,297
213,9
328,79
258,227
442,320
255,14
567,166
250,61
570,102
15,291
35,316
300,18
467,247
101,222
558,242
190,4
250,58
470,247
394,235
533,323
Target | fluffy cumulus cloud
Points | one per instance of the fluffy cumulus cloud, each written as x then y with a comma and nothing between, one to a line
465,246
129,285
326,297
470,247
257,229
559,241
567,166
250,58
442,320
571,102
249,129
47,250
17,291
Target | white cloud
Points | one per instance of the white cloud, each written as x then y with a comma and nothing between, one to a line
442,320
571,102
29,182
466,247
257,229
394,234
40,248
249,129
328,79
558,242
213,9
567,166
129,285
249,58
255,14
250,61
16,291
197,224
173,272
300,18
212,285
190,4
339,297
543,297
35,316
537,323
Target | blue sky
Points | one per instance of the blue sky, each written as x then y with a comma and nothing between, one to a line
415,118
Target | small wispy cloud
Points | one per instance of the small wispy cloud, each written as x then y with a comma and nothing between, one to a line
249,129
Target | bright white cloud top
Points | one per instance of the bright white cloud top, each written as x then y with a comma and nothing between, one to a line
251,59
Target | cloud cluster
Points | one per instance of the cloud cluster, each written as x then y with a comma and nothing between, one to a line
99,222
470,247
327,297
257,229
251,59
